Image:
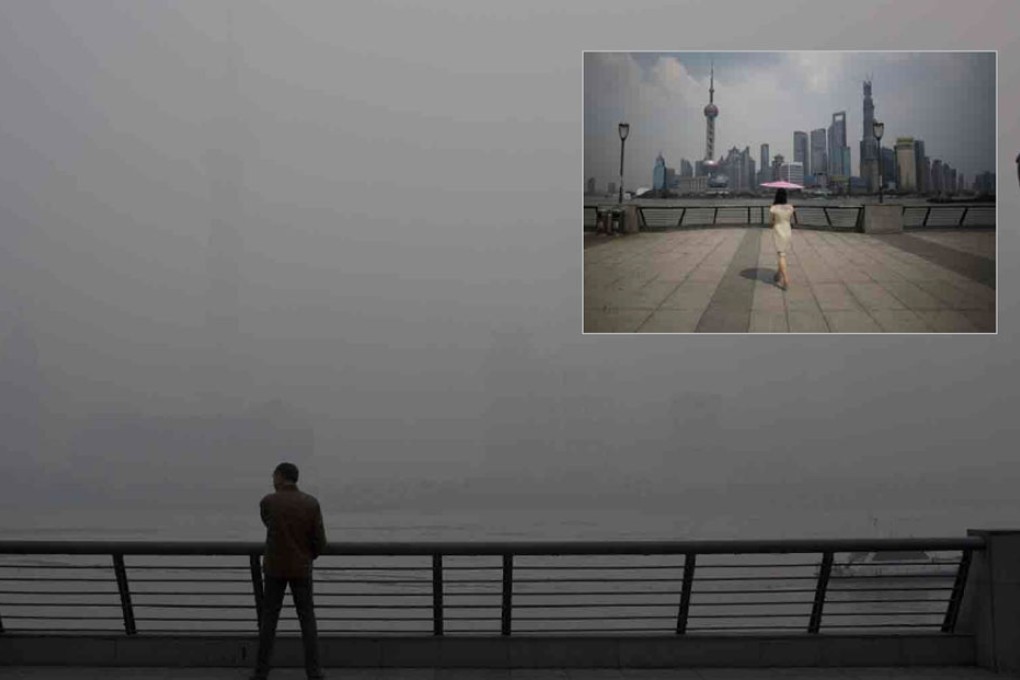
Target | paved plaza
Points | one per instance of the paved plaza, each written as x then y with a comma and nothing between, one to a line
919,673
719,280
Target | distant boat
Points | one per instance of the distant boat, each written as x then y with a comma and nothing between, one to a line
878,563
892,563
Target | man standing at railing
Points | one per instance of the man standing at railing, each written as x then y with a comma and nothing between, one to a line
295,536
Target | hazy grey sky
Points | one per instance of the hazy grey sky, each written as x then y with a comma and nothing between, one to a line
402,179
947,99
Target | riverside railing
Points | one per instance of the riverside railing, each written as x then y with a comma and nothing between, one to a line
501,588
840,218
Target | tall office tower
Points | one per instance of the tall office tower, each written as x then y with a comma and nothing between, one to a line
839,152
919,165
659,173
589,186
792,172
926,170
222,382
869,145
752,176
670,178
952,180
711,112
686,170
890,169
764,164
936,175
800,150
906,164
819,158
777,164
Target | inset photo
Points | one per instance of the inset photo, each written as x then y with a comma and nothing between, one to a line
790,192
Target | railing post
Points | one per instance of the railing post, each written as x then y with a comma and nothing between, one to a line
683,214
963,215
715,216
927,214
748,215
828,220
256,585
823,584
125,594
685,594
953,610
437,594
508,588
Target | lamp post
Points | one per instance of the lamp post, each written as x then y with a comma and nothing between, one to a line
878,129
624,131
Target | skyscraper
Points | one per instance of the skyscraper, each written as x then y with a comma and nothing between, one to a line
919,164
839,152
906,178
936,176
777,164
800,150
686,170
792,172
819,158
659,173
764,169
890,172
869,145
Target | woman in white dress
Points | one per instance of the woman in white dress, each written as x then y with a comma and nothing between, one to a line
781,213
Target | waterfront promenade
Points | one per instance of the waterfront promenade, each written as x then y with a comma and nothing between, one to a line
925,673
720,280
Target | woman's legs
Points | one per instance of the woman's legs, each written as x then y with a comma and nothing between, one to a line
781,277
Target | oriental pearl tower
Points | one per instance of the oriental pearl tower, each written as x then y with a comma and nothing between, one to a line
711,111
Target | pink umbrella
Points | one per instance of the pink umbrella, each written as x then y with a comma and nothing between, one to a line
782,185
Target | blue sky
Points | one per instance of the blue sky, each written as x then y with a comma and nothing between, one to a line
946,99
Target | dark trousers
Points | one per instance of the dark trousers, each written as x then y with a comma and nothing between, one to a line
272,602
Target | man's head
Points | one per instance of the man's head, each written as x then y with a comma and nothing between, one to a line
285,473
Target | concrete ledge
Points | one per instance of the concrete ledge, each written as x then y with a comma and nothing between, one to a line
667,651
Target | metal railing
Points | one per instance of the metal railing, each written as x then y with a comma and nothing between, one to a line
848,218
646,587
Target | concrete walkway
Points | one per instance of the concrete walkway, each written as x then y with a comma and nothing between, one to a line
940,673
720,281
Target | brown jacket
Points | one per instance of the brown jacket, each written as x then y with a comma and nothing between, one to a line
295,535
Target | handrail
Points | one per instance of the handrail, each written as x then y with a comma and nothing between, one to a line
832,217
719,547
509,589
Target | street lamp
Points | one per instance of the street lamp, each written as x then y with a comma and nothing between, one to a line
878,129
624,131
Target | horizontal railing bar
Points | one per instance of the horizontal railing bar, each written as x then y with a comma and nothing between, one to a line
163,605
597,630
589,592
864,577
934,626
761,627
679,565
876,615
752,603
501,547
191,619
54,566
61,604
756,592
862,602
894,589
59,580
595,618
787,615
700,579
58,618
772,565
64,592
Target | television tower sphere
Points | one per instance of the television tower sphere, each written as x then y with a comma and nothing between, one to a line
711,110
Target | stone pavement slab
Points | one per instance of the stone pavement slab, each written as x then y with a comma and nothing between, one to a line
842,282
